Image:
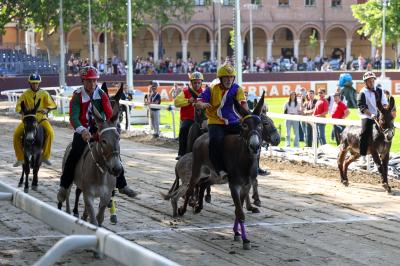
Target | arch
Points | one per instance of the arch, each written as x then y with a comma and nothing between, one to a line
78,27
176,27
313,26
257,26
199,26
282,26
334,26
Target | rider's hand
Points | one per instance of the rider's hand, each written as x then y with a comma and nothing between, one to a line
86,135
373,116
44,111
191,100
202,105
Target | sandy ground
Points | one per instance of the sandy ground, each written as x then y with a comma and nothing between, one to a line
307,217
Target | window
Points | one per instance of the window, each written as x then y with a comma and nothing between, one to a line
283,3
336,3
199,2
289,35
228,2
309,3
256,2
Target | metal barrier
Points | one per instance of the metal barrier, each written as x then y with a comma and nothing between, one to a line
85,234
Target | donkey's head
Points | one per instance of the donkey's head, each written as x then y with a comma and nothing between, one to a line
251,126
30,122
109,148
270,133
385,120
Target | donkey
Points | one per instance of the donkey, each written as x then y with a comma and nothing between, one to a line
33,140
241,154
379,146
183,172
97,169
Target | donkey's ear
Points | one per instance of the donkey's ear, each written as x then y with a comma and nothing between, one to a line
97,116
391,103
115,113
104,88
119,93
260,104
239,108
23,108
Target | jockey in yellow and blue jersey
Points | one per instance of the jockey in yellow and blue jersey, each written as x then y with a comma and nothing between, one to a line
30,97
218,100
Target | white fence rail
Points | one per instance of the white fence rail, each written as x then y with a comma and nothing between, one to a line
105,242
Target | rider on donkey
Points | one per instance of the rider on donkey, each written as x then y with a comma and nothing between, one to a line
82,120
218,100
30,97
186,100
368,101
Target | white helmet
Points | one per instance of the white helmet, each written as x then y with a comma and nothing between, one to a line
368,75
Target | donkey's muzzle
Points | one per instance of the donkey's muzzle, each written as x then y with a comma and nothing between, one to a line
254,143
275,139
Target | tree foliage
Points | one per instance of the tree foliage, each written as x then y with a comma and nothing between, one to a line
43,15
370,16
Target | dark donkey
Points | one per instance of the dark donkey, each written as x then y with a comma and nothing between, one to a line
33,140
379,146
241,160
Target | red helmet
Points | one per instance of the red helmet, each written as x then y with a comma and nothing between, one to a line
89,72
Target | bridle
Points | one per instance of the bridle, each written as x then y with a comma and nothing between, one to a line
253,131
100,150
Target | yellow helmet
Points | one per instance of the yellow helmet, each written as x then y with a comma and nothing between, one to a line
34,78
226,70
196,75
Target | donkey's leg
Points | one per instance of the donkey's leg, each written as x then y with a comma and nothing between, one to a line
196,168
250,207
102,207
239,214
255,196
27,170
76,205
351,159
244,193
90,208
113,208
208,195
36,166
21,180
384,173
199,205
340,161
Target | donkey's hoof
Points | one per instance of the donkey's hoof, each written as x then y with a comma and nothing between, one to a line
181,211
76,214
257,203
246,244
35,188
26,190
345,182
255,210
197,209
59,205
113,219
208,198
20,184
237,237
387,187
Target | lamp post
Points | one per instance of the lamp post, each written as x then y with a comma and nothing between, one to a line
238,43
90,37
251,7
130,56
383,65
62,49
219,2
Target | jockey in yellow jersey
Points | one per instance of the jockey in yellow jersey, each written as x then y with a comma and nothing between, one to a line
30,97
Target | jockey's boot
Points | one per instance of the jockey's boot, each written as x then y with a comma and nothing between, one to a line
128,191
263,172
18,163
47,161
62,194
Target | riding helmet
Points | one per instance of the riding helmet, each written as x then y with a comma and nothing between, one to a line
226,70
196,75
34,78
89,72
368,75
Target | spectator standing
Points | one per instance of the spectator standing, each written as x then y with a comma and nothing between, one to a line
339,111
292,107
154,98
321,109
308,110
115,62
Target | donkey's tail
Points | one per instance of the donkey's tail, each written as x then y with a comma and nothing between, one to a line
173,188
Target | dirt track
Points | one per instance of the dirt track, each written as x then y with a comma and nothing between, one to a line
307,218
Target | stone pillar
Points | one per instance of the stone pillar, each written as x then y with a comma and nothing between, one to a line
269,49
348,50
96,51
184,50
125,51
155,50
373,51
321,48
296,44
212,50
